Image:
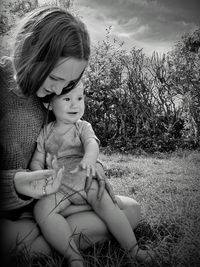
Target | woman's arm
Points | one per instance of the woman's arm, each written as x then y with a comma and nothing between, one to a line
18,187
9,198
32,183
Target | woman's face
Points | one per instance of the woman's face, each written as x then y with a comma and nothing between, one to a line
67,70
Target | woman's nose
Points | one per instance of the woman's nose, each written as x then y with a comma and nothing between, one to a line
57,89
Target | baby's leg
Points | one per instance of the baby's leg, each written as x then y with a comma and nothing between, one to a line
55,228
115,220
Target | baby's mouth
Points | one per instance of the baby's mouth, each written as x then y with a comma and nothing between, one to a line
72,113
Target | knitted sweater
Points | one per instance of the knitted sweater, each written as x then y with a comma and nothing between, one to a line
21,119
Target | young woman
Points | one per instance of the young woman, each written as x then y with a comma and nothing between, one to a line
50,54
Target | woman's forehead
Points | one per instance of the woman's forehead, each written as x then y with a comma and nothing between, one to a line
69,69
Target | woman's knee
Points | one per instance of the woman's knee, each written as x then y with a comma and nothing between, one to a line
16,233
21,234
39,245
131,209
125,202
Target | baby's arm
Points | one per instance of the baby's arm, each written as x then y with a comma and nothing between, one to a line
38,161
91,154
91,149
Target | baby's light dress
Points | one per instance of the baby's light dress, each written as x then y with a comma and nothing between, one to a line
69,149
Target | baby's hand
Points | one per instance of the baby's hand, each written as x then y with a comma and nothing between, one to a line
87,165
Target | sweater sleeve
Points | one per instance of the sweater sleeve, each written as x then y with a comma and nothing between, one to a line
9,198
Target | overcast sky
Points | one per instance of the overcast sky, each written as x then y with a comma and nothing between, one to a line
154,25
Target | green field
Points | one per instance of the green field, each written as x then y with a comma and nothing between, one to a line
167,187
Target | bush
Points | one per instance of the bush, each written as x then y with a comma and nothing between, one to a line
138,102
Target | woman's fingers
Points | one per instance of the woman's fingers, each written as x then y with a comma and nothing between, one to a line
88,182
55,184
46,182
90,171
39,175
101,188
55,163
59,176
103,184
93,172
110,191
49,161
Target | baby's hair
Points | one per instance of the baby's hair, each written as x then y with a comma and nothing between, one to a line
47,34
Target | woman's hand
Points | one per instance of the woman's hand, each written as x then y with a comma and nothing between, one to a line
102,181
36,184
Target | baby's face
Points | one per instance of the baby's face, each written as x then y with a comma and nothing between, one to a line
69,107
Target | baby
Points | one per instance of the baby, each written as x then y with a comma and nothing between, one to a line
71,142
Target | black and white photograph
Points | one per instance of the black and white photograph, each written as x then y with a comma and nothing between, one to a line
100,133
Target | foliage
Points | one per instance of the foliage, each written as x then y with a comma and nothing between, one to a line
136,102
192,41
186,77
13,10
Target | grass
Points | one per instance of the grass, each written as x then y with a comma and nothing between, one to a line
167,187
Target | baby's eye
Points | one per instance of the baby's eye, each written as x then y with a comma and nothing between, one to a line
80,98
67,99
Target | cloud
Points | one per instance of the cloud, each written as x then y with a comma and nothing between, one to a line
155,23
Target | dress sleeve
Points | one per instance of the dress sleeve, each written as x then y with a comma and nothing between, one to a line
40,142
9,198
43,137
87,132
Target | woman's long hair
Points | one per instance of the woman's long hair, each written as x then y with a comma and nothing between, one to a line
46,35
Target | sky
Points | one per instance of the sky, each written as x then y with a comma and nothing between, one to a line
153,25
